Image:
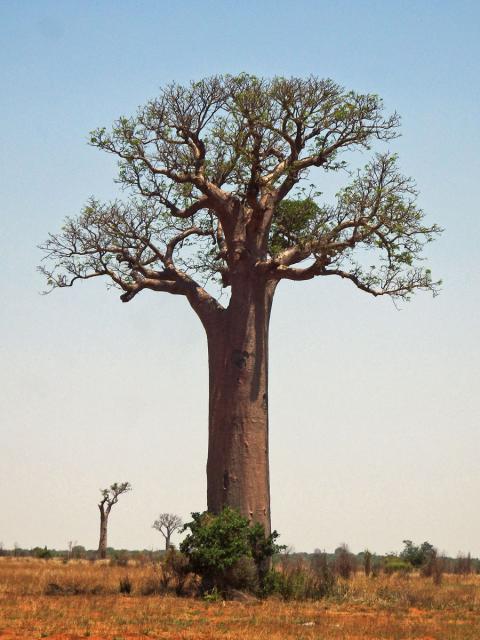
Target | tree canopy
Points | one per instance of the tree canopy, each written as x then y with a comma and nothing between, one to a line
110,496
209,167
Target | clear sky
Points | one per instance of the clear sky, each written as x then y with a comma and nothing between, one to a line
374,411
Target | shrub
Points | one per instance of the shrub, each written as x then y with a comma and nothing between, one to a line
175,570
345,563
172,575
42,552
78,552
119,559
295,580
125,585
221,549
463,564
323,573
417,556
367,563
393,564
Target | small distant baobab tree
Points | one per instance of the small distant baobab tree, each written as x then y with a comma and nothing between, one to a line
167,524
216,170
109,498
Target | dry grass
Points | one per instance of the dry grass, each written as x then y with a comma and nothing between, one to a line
387,608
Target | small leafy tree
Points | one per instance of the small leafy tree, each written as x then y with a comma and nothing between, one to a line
417,556
218,545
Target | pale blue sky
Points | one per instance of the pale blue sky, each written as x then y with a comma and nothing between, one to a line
374,411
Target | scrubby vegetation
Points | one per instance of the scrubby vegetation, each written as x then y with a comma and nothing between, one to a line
414,593
77,599
223,553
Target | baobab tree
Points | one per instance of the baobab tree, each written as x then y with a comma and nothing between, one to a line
167,524
109,498
215,171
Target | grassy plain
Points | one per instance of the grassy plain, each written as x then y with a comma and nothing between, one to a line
86,603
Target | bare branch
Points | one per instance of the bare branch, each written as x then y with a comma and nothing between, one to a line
375,214
110,496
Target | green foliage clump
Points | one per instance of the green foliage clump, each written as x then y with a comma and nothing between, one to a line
396,565
417,556
294,222
226,551
42,552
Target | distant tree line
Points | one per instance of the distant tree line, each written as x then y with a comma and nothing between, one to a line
341,562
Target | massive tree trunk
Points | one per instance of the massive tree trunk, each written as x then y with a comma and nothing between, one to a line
102,544
237,467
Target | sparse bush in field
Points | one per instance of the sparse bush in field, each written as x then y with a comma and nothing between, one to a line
434,567
438,570
213,595
72,587
125,585
392,564
172,575
145,558
176,570
78,552
367,563
295,580
463,564
292,582
119,559
299,579
345,563
325,579
151,586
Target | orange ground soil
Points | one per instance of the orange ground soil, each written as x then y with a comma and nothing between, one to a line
130,617
384,608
